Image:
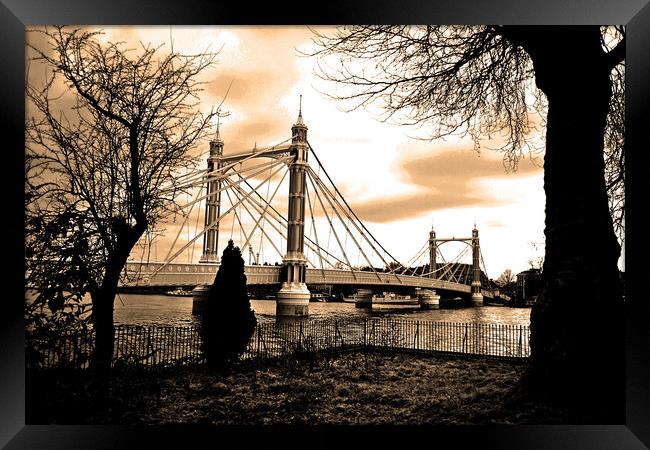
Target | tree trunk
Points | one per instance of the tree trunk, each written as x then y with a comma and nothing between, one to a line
577,335
103,302
104,298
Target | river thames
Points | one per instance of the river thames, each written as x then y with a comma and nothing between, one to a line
137,309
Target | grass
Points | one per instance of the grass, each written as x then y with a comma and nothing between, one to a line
352,388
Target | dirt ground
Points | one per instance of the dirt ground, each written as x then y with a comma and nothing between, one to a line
354,388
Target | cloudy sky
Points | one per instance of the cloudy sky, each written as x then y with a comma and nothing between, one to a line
399,186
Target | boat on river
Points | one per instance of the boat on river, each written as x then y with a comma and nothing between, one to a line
179,293
390,298
361,294
317,297
386,298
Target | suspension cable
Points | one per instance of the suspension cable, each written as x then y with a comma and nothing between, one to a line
236,191
257,153
415,258
458,264
332,226
241,226
265,166
483,263
196,227
260,250
313,224
182,225
333,202
346,203
325,192
221,172
268,203
283,221
258,209
209,227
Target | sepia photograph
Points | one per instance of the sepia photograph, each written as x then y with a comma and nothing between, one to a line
351,203
325,225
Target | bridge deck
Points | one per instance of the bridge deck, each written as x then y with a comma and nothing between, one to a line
192,274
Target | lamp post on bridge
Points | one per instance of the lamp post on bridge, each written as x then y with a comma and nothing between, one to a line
293,297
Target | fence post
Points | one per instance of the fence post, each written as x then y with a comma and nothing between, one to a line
465,338
152,340
417,334
266,349
520,330
259,337
336,328
365,331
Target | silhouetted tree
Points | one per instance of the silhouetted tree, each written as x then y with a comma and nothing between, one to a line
507,282
478,80
228,320
109,131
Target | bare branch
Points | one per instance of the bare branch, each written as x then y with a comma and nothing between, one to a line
466,80
102,154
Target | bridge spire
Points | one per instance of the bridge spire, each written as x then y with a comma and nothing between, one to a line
217,136
300,121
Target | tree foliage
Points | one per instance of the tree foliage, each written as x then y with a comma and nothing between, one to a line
228,320
109,131
463,80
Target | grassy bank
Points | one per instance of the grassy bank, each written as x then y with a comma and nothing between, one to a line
354,388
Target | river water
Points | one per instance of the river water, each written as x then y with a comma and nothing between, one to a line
137,309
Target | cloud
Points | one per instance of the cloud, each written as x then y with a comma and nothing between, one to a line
455,169
447,179
260,80
495,224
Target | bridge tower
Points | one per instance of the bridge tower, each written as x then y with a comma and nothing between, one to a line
477,297
428,297
293,297
432,253
213,202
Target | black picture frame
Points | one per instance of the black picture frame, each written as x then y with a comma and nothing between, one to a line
17,14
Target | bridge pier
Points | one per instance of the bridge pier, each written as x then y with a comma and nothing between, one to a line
429,299
363,298
199,298
292,300
477,297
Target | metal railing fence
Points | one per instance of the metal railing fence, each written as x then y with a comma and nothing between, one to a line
164,345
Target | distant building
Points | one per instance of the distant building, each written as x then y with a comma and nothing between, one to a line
529,285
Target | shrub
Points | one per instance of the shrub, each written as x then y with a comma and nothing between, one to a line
228,320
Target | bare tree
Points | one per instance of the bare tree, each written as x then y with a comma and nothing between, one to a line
490,81
109,132
506,278
507,282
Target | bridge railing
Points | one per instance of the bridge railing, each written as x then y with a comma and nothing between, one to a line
155,346
177,274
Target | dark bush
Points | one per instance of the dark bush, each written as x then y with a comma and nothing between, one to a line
228,320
